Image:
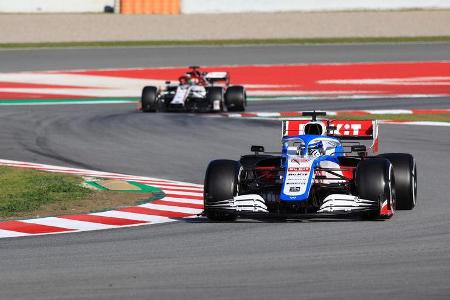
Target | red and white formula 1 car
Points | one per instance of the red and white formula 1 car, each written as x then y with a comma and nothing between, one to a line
195,91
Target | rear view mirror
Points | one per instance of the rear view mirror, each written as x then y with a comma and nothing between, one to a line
257,149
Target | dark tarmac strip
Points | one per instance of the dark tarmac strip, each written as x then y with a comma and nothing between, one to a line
140,57
224,261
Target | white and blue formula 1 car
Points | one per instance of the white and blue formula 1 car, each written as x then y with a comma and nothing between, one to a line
195,91
323,170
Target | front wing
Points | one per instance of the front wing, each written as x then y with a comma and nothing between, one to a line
334,206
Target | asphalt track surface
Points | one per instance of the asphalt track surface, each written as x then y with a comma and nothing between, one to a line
94,58
407,257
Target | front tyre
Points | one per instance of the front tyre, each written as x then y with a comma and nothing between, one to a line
375,180
214,95
221,183
149,98
236,98
405,172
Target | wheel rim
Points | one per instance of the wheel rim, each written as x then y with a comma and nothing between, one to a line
236,192
414,184
392,203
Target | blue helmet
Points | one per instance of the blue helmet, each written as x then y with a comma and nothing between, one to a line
315,149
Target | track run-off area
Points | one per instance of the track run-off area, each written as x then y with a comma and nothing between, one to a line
405,257
263,82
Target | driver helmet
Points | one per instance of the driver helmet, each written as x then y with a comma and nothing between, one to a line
315,149
301,149
194,80
183,80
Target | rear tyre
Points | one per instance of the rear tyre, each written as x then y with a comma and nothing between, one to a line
221,183
405,172
374,180
215,93
149,99
236,98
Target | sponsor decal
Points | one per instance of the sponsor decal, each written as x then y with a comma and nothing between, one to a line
299,169
294,189
347,129
299,160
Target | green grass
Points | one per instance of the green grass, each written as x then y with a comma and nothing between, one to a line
299,41
23,190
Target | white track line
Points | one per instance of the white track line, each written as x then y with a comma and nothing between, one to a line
76,92
134,216
183,200
186,210
388,111
7,233
178,189
183,194
69,224
79,80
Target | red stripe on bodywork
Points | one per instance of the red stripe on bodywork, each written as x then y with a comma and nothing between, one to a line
24,227
103,220
385,210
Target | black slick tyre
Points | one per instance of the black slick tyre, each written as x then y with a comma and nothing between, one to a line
374,180
149,99
236,98
215,93
221,183
405,172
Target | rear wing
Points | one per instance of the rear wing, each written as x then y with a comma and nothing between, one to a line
341,129
212,77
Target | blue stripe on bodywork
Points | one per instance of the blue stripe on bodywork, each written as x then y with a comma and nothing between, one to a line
307,139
